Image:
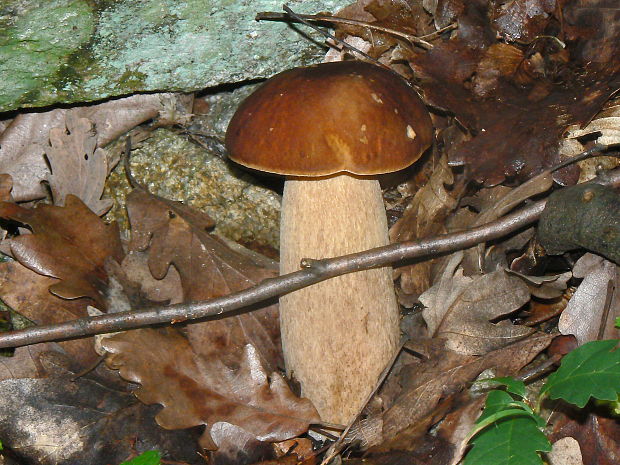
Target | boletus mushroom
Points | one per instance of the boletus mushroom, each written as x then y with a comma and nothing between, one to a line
331,129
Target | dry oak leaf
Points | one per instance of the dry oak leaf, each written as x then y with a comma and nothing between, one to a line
27,293
552,87
69,243
174,233
459,309
425,384
78,165
53,417
423,217
193,393
25,139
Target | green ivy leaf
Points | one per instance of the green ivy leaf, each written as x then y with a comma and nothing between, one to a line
150,457
510,441
513,386
507,433
496,401
592,370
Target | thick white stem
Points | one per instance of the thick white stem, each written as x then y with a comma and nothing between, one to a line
337,335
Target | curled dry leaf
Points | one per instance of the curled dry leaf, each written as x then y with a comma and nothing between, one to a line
69,243
459,309
511,199
195,391
546,287
605,129
78,165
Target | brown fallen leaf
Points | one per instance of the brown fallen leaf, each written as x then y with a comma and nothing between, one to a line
424,217
69,243
603,129
521,21
237,446
195,391
78,165
6,186
167,289
28,293
426,383
598,435
25,140
175,234
555,84
26,362
213,373
459,309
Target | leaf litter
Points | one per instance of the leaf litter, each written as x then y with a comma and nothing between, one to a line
514,88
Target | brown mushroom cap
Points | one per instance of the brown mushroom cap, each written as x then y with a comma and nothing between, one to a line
329,118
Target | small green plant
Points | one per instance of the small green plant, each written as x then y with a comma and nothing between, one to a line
510,431
150,457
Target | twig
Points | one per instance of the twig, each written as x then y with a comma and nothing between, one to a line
271,16
316,271
345,44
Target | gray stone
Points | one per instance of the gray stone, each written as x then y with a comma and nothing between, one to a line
64,51
172,166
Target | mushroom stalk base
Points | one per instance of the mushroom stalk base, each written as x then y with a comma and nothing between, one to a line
339,334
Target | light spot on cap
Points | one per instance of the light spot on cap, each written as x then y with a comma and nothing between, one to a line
411,133
396,110
363,128
376,98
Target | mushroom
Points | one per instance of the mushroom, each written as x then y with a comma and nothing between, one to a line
331,129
